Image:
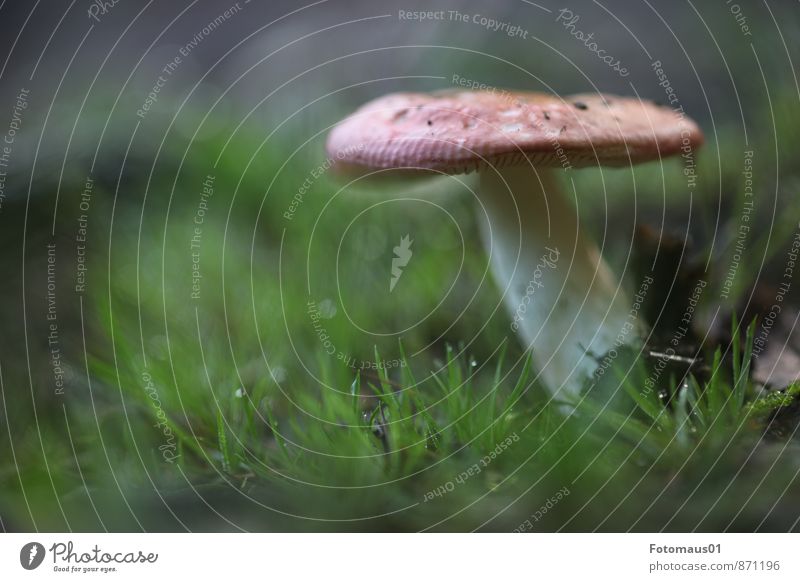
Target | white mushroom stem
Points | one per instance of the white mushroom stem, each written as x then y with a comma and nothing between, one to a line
566,306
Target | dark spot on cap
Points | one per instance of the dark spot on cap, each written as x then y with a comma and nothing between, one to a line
581,105
546,115
563,128
430,122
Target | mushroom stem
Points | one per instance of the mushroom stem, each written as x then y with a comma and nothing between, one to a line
565,303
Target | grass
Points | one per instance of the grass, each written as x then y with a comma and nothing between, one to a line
378,445
261,440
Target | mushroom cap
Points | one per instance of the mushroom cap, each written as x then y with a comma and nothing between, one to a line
459,131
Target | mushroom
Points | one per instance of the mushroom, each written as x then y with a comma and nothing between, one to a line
566,304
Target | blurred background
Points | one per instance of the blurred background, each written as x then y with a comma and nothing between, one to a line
188,293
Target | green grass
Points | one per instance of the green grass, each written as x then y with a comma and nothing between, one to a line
385,442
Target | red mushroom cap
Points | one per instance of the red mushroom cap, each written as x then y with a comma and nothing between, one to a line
458,132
